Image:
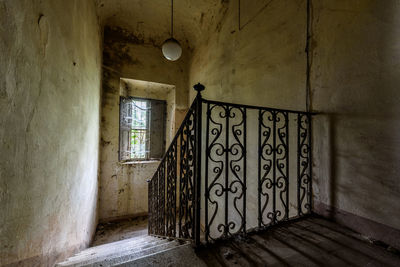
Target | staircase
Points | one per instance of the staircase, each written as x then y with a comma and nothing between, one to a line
138,251
209,192
207,186
311,241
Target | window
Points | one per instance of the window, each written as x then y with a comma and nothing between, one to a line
142,129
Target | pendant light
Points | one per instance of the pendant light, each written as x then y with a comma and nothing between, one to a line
171,48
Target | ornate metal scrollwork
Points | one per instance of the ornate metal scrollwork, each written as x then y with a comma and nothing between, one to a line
183,183
273,167
150,205
186,182
161,200
304,164
174,190
226,168
282,164
156,204
175,175
170,218
265,166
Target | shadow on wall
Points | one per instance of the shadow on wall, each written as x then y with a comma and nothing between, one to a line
324,154
355,79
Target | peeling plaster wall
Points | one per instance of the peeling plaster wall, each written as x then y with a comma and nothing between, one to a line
152,19
123,187
157,91
355,79
132,177
49,129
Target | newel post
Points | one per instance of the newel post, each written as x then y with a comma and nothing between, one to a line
197,179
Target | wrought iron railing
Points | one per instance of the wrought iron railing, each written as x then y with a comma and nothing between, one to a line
253,171
174,190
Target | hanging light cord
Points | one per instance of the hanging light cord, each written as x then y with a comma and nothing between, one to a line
172,18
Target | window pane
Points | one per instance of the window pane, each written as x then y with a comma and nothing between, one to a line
142,128
139,114
138,144
139,129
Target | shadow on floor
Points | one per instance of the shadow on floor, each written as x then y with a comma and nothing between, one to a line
311,241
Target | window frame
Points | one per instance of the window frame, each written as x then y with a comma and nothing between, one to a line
148,157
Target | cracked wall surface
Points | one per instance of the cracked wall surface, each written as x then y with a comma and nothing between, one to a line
49,134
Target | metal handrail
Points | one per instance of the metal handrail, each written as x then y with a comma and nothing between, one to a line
184,155
161,222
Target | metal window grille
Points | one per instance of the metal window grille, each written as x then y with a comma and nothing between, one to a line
141,128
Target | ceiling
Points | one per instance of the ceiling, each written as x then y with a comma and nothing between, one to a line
151,19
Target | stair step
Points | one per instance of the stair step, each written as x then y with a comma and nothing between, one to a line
111,251
117,250
128,257
179,256
119,244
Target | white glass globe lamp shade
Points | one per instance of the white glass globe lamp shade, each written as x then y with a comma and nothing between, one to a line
171,49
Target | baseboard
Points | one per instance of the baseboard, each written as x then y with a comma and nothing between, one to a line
364,226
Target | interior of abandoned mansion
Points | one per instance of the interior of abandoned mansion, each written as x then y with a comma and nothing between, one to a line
199,133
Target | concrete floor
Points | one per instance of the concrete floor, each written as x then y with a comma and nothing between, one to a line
310,241
119,230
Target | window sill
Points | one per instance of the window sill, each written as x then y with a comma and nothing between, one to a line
139,162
